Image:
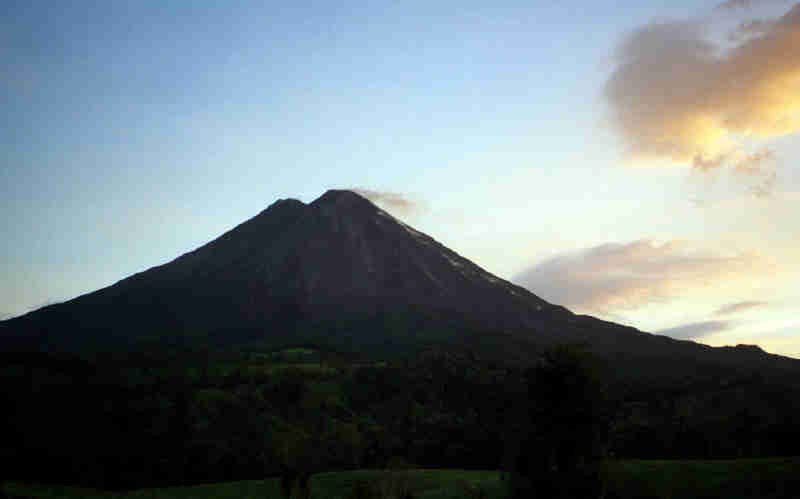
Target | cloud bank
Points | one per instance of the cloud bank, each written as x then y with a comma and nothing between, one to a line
741,306
392,201
696,330
735,4
676,95
615,276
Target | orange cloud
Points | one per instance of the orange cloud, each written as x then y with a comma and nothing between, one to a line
676,95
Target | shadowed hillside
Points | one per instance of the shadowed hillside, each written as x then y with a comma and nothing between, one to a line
342,273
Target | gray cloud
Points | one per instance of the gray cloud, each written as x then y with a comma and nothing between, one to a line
676,95
392,201
696,330
735,4
750,29
741,306
617,276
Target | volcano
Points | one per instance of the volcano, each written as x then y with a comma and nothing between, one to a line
339,272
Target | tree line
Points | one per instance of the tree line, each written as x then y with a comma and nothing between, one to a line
156,419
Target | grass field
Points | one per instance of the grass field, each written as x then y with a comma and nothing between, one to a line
729,479
639,479
427,484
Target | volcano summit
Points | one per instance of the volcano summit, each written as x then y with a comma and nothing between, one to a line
338,272
286,271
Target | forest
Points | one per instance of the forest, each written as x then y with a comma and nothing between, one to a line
173,417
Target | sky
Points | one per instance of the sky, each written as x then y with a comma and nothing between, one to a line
629,160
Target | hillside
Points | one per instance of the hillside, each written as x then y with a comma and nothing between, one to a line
344,274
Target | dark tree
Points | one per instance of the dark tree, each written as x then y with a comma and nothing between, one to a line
562,436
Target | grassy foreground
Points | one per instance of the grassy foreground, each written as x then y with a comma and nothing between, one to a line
640,479
729,479
425,484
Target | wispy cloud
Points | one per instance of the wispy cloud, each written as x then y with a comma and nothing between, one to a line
735,4
733,308
738,5
392,201
696,330
677,95
615,277
749,29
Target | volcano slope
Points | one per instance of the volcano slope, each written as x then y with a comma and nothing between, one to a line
341,273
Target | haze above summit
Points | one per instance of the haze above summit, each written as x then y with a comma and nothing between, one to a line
508,132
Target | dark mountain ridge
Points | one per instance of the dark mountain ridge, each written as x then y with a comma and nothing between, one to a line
341,271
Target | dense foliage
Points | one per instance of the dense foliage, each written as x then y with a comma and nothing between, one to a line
564,428
175,417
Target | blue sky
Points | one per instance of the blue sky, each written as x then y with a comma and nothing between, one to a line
132,134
